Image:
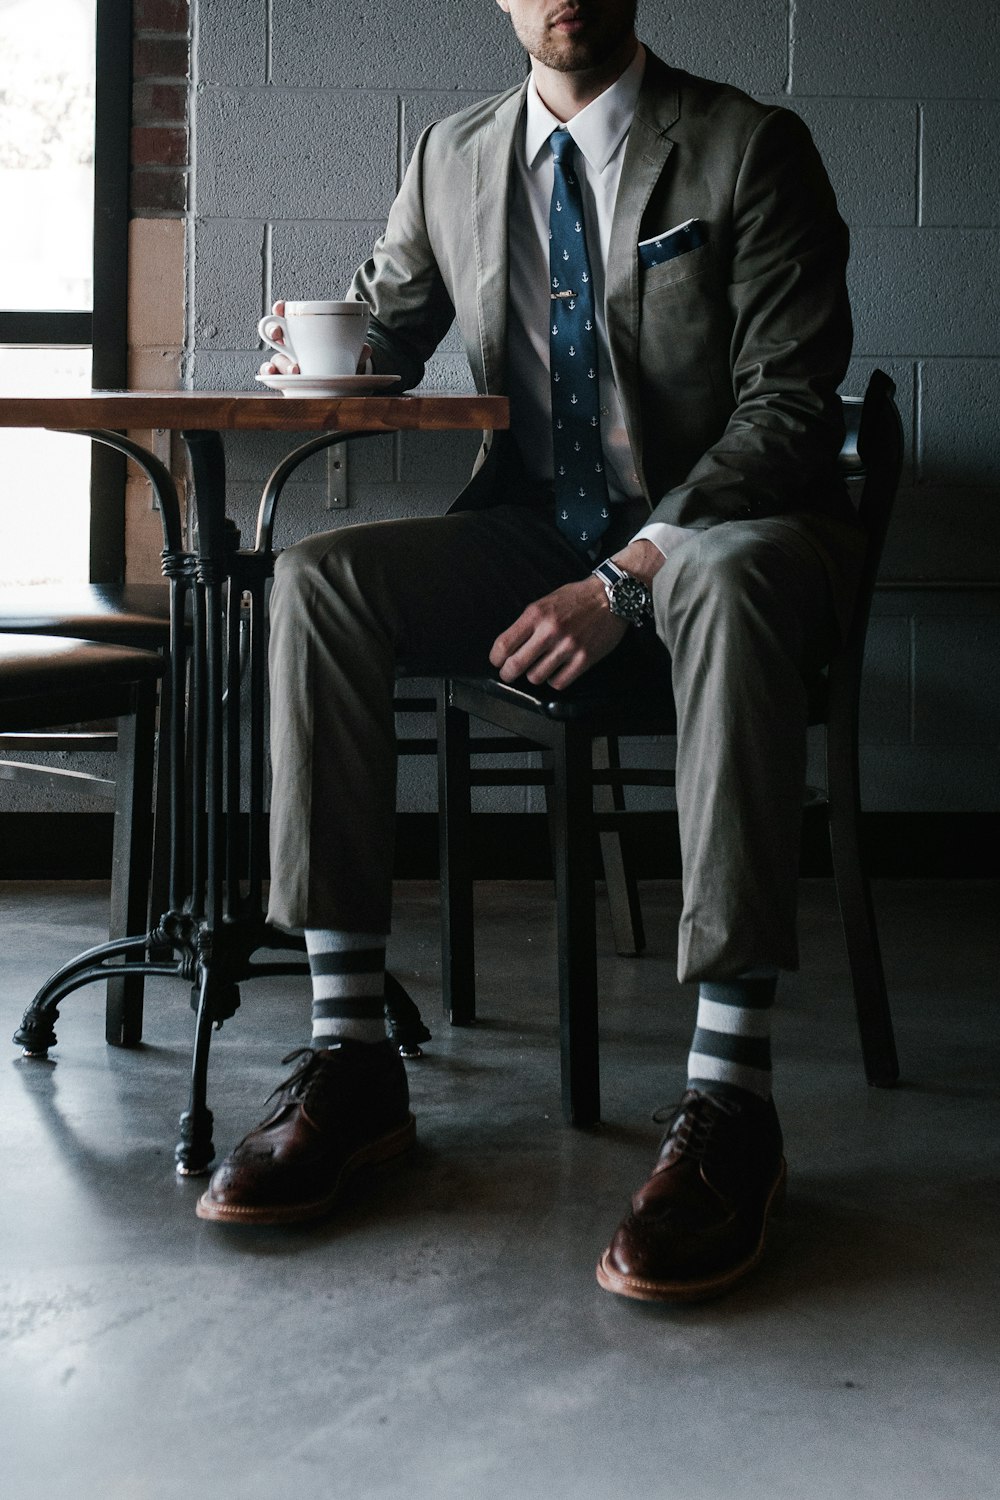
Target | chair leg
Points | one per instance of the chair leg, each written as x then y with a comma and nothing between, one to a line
159,885
458,965
619,876
576,929
857,912
131,862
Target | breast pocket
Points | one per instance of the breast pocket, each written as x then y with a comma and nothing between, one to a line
685,328
682,268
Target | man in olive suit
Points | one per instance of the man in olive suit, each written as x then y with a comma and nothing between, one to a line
651,267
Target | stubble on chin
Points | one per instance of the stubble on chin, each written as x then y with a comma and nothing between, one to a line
575,54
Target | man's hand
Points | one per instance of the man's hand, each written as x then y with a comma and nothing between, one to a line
283,364
558,637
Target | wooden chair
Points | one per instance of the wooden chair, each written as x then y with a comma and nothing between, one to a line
47,681
601,710
135,616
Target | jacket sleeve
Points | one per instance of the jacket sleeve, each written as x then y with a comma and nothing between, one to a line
411,308
791,340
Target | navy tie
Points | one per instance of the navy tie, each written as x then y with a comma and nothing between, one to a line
581,487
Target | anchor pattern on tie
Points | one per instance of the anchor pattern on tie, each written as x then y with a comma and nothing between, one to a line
581,489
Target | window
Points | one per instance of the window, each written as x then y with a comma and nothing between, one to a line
64,90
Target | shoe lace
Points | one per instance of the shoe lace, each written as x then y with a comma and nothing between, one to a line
694,1121
296,1085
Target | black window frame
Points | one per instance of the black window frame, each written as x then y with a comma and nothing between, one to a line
105,328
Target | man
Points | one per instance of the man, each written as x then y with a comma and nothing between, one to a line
652,267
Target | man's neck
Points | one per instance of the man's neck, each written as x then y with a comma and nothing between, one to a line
565,94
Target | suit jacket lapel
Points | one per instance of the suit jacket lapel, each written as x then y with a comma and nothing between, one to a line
646,152
491,185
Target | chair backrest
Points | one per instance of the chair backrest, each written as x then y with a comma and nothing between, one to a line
872,453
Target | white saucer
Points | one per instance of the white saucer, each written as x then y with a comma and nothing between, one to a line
327,385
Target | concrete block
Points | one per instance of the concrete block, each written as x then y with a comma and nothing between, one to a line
293,154
156,282
250,457
903,373
907,49
959,183
729,40
955,701
972,600
373,461
938,533
447,373
872,187
303,511
929,778
925,291
959,406
885,688
416,785
453,45
226,369
386,502
228,282
316,259
439,458
232,43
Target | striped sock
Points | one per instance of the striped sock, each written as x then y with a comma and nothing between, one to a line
732,1040
348,984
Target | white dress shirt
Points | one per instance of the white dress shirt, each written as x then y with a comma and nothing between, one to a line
599,132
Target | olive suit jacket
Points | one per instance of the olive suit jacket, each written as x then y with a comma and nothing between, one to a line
727,358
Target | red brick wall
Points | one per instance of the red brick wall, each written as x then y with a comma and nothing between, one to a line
160,65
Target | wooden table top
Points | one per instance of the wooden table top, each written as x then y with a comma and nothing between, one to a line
252,410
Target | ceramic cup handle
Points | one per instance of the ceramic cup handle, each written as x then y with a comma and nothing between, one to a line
265,328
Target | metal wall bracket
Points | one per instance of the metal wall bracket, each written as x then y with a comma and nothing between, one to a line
336,477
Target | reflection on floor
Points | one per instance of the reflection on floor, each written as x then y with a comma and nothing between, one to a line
444,1338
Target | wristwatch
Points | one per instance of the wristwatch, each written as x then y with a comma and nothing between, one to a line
628,598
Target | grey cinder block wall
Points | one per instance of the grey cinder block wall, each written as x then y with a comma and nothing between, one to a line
305,113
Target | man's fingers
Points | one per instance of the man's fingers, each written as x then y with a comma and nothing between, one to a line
557,638
279,364
558,658
574,668
521,648
511,640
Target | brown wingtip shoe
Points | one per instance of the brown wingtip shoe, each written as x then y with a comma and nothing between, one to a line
342,1109
699,1224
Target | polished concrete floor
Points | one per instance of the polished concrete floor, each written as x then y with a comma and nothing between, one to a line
444,1338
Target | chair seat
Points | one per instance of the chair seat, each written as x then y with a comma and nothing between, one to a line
633,683
50,680
630,691
47,679
127,614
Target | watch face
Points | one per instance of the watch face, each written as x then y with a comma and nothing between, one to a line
630,600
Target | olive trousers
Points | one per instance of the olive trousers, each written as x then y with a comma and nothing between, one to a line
747,610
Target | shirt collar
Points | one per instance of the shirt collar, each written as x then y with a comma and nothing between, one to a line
599,129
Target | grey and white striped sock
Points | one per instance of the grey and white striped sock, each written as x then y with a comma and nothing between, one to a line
348,984
732,1040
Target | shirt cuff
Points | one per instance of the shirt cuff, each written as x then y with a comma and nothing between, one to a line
663,536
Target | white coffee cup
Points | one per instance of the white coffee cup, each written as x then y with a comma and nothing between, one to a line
324,339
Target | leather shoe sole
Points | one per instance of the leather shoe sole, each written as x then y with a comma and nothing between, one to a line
375,1153
645,1289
